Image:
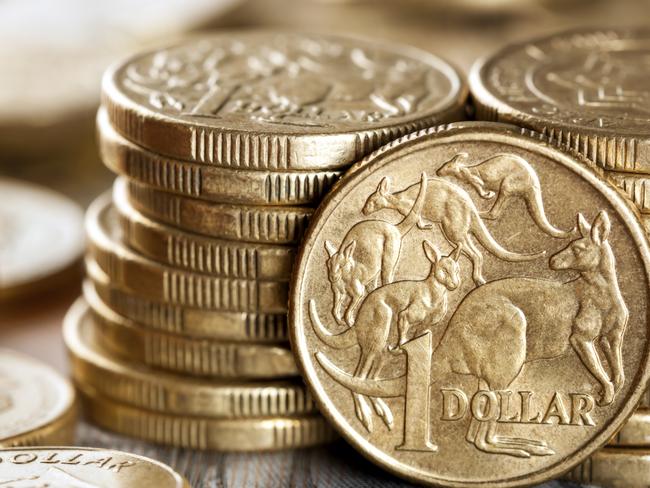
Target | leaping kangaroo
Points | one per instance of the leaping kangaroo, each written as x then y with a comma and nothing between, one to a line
505,176
450,206
520,320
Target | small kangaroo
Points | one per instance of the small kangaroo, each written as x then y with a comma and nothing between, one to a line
400,306
450,206
507,176
367,258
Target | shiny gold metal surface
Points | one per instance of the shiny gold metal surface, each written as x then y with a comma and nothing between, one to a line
180,249
636,186
279,101
166,284
209,182
635,432
509,325
614,468
585,89
83,467
134,384
37,405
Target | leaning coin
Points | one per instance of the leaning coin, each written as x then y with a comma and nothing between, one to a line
614,468
37,405
249,223
136,385
278,101
530,281
191,251
259,434
167,284
635,432
636,186
177,353
83,467
585,89
222,185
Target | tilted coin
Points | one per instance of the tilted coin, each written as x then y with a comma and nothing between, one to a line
177,353
270,100
136,385
33,218
173,285
83,467
636,186
614,468
585,89
248,223
192,322
260,434
222,185
507,336
37,405
635,432
187,250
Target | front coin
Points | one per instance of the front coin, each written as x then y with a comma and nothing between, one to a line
484,317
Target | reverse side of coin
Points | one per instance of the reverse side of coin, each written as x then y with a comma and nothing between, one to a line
486,338
585,89
614,468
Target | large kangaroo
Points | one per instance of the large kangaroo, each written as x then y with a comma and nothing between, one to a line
450,206
367,258
400,306
519,320
507,176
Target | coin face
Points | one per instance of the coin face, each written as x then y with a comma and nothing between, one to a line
33,398
586,88
74,467
278,100
499,313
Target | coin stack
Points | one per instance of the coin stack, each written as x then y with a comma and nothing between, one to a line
224,147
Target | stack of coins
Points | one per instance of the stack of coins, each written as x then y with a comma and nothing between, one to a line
225,145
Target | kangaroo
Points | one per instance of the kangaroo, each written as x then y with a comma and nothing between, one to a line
505,176
451,207
399,306
367,258
521,320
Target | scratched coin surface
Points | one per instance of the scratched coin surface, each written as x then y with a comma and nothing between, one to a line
272,100
586,89
499,313
83,467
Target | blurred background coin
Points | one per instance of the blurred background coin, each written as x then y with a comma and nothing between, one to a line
613,468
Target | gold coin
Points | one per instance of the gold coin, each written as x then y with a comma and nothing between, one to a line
33,218
133,384
186,250
213,183
278,101
645,400
37,405
173,285
585,89
614,468
83,467
173,352
507,338
263,434
635,432
249,223
636,186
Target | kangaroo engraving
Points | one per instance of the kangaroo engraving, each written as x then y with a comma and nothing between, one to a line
367,258
400,307
505,176
452,208
520,320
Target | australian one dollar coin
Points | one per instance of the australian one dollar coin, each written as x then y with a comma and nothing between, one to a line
470,307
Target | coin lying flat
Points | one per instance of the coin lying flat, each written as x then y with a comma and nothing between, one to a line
37,405
84,467
167,284
186,250
585,89
33,218
248,223
487,337
637,188
261,434
133,384
614,468
270,100
208,182
635,432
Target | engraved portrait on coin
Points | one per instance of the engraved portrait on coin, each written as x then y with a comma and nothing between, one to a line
484,317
